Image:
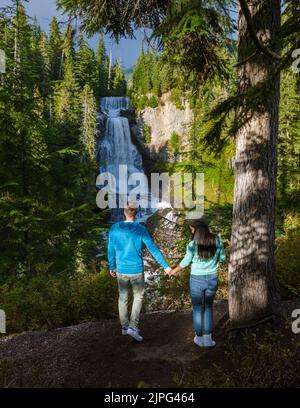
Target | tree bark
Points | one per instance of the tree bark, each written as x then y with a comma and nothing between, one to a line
252,284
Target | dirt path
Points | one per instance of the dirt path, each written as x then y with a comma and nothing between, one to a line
96,355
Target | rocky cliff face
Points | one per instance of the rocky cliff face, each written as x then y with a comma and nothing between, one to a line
160,123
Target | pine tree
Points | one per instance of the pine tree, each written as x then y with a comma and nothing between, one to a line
141,74
23,150
88,124
252,287
47,190
68,51
85,65
101,69
55,45
118,81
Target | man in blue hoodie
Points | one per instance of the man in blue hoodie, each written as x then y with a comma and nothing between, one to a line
125,259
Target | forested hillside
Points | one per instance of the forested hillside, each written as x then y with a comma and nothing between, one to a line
50,224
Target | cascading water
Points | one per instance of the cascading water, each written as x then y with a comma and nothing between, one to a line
116,147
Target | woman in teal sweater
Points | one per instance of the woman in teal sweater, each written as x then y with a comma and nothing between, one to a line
204,252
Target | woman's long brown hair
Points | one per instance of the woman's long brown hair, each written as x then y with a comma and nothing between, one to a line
205,240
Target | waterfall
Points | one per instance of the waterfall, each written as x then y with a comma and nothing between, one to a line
116,147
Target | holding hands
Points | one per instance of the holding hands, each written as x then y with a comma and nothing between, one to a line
172,272
169,271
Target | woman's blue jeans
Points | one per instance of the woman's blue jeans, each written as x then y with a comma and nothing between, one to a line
203,289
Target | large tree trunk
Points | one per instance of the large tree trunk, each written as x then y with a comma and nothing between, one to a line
252,286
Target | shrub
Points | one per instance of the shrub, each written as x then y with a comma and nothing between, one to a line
152,102
175,142
288,263
146,131
175,97
42,302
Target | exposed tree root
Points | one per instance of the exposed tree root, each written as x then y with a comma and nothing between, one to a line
228,328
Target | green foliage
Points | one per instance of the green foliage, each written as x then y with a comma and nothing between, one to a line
142,102
118,82
142,81
89,124
175,143
55,50
49,222
44,302
151,77
146,131
102,70
289,135
287,256
152,102
85,66
176,95
193,33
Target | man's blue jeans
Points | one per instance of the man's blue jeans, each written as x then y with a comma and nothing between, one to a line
138,287
203,289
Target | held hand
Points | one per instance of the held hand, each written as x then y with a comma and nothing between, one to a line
168,270
171,273
175,270
113,273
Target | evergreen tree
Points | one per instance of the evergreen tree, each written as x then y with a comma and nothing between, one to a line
118,87
85,65
47,191
101,68
23,149
68,51
141,74
55,45
88,123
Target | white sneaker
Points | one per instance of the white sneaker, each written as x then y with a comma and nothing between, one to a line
198,340
208,341
124,331
135,334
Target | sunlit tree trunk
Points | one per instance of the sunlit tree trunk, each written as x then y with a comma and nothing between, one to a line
252,284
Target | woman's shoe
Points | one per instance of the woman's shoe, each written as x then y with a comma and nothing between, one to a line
135,334
198,340
208,341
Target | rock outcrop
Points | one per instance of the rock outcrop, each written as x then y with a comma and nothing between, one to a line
161,122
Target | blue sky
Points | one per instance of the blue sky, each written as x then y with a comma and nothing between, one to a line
127,50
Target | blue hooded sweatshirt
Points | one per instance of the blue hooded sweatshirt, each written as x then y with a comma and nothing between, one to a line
125,244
